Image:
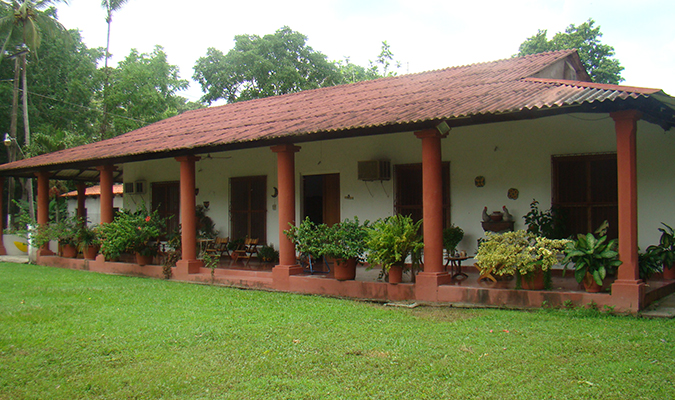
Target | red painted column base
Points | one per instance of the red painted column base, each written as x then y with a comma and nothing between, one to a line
281,275
628,295
189,266
427,283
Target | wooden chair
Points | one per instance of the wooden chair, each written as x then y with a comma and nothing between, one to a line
220,247
247,250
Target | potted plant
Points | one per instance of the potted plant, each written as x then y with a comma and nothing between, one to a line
665,251
520,253
390,241
549,223
592,258
132,232
65,231
89,240
344,243
451,238
308,237
268,254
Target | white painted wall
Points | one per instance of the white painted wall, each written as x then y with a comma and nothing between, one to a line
93,206
509,155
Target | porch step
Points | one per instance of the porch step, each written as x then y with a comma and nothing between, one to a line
663,308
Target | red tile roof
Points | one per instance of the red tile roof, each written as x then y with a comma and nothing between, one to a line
384,105
95,191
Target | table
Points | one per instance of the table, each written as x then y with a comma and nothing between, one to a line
204,244
455,264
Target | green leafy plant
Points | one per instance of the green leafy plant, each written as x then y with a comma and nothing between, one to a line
211,261
344,240
664,252
268,254
391,240
548,223
451,238
132,232
87,235
592,256
308,237
518,252
649,263
65,231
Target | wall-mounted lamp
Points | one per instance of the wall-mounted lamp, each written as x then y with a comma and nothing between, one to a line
8,143
196,191
207,204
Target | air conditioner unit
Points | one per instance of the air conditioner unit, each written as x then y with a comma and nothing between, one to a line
129,187
375,170
139,187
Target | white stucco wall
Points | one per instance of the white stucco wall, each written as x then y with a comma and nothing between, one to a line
509,155
93,206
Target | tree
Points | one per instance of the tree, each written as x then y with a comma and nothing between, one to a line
143,90
597,58
264,66
110,7
355,73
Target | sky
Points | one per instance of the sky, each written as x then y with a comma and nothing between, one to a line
423,34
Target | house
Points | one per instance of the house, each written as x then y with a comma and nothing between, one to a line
92,202
441,145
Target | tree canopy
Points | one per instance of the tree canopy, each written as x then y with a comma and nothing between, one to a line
597,58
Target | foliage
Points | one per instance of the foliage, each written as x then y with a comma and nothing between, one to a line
595,256
65,231
665,250
549,223
211,262
206,228
87,235
132,232
391,240
518,252
345,240
265,66
268,254
451,238
597,58
649,263
308,237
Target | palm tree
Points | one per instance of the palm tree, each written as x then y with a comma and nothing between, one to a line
26,21
110,6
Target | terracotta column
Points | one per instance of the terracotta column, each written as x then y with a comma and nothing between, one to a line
106,179
43,206
3,251
286,186
432,213
628,289
81,190
188,263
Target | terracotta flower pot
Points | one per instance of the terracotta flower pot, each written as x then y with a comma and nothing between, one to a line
669,273
395,274
68,251
143,260
591,285
345,270
533,280
90,252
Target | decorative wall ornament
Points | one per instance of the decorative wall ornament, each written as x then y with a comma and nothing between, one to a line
513,194
479,181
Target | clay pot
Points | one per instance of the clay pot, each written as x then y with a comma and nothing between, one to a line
345,270
90,252
669,273
590,285
533,280
143,260
68,251
395,274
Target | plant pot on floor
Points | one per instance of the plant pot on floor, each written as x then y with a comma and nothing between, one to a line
345,270
533,281
395,274
669,273
68,251
143,260
90,252
591,285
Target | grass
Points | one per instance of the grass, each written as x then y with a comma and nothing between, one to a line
68,334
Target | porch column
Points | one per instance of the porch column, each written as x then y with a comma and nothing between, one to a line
3,251
628,289
432,213
189,263
106,179
43,207
286,185
81,190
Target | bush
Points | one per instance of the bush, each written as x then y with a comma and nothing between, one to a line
132,232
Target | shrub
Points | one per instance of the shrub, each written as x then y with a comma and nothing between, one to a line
132,232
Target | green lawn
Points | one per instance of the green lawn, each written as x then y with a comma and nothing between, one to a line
70,334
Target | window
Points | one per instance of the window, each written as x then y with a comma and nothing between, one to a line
585,190
409,191
248,208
